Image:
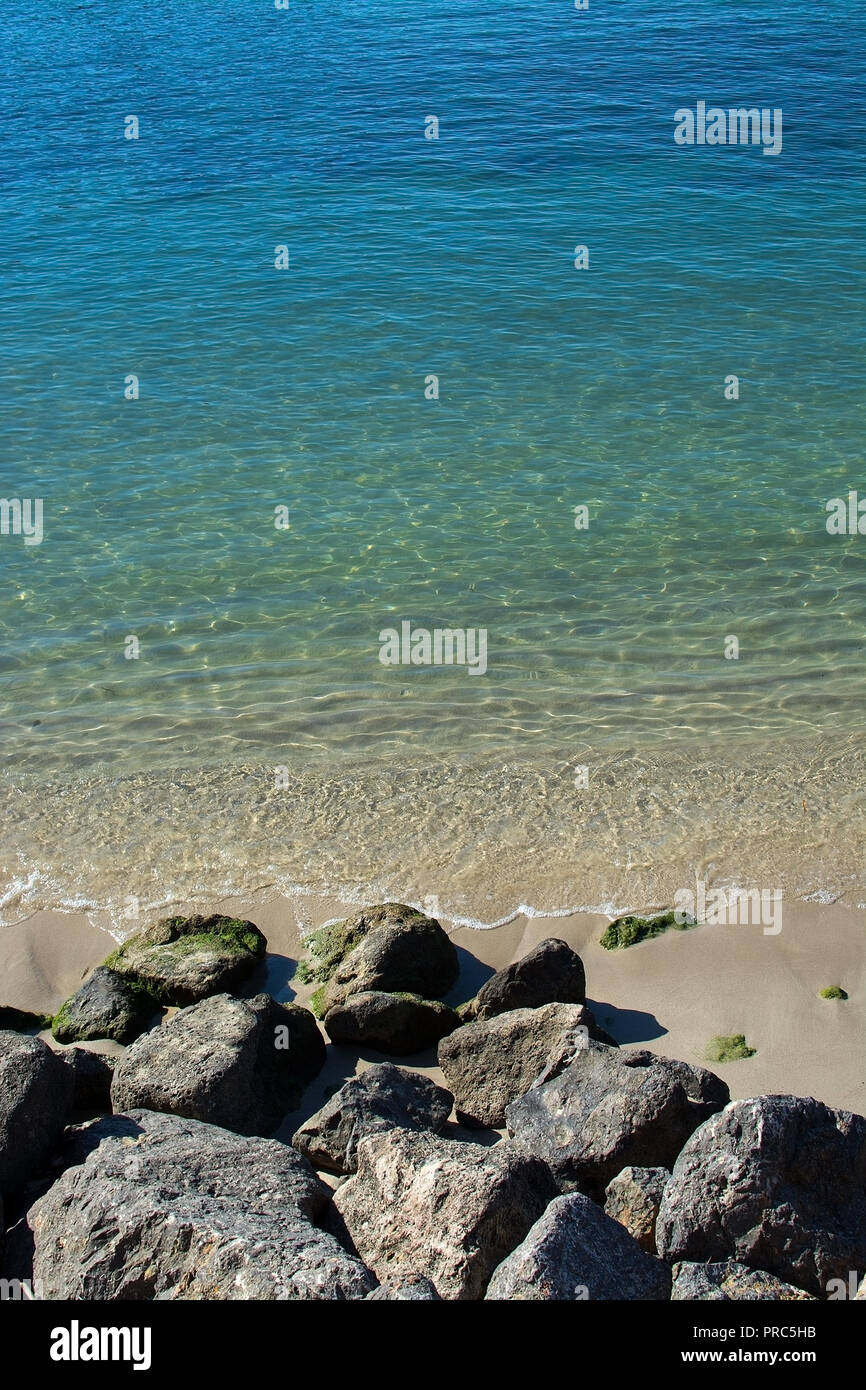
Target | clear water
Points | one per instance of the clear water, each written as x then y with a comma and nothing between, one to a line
306,388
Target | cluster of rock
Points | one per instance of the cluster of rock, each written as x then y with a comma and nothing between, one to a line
619,1175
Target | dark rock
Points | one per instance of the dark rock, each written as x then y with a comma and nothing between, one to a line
14,1020
575,1252
405,1287
611,1110
776,1183
392,948
490,1063
382,1098
449,1210
633,1198
36,1091
106,1006
551,973
729,1281
398,1024
92,1074
181,960
238,1063
166,1208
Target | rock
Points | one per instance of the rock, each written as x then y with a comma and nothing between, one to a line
92,1074
238,1063
405,1287
727,1282
449,1210
181,960
610,1110
382,1098
392,949
166,1208
552,973
575,1252
106,1006
776,1183
488,1064
36,1091
398,1024
632,1198
14,1020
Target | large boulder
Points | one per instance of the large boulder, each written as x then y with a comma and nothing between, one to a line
551,973
729,1281
106,1006
633,1199
392,948
382,1098
576,1253
777,1183
238,1063
406,1288
611,1110
398,1024
167,1208
183,959
36,1092
449,1210
488,1064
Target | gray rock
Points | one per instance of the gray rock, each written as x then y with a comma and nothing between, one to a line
729,1281
488,1064
183,959
382,1098
777,1183
633,1198
36,1090
166,1208
238,1063
391,948
551,973
92,1074
106,1006
398,1024
449,1210
576,1253
611,1110
405,1287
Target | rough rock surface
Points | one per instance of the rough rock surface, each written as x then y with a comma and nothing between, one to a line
610,1110
224,1061
36,1090
398,1024
383,1097
452,1210
489,1063
167,1208
777,1183
106,1006
406,1287
575,1252
391,948
92,1074
727,1282
551,973
183,959
633,1198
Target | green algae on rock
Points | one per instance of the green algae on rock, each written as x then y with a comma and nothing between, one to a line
629,930
181,960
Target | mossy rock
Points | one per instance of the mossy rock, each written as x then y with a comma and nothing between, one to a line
107,1005
390,948
833,992
181,960
629,930
15,1020
730,1049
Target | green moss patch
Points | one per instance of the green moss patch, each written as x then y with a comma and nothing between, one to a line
628,931
833,992
729,1049
317,1002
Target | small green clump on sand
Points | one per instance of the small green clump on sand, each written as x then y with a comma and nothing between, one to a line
729,1049
628,931
833,992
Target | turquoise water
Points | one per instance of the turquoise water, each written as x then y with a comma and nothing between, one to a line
306,388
